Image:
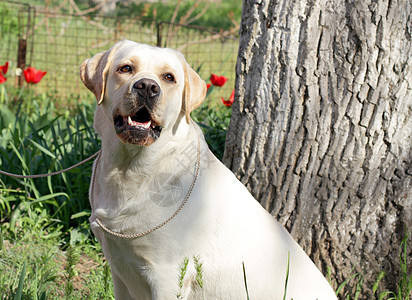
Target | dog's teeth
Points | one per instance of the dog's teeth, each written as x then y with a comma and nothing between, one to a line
146,125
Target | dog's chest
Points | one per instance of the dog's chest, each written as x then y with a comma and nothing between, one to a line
137,207
126,254
136,204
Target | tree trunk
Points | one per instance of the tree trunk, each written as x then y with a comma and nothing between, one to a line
321,128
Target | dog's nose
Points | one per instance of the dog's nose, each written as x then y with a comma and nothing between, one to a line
147,88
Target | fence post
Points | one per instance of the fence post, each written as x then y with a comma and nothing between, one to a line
21,59
159,28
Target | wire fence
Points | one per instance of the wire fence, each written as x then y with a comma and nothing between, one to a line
59,43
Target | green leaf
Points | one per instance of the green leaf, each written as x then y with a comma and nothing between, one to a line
14,217
80,214
385,294
1,240
6,116
19,291
375,287
42,149
50,196
345,283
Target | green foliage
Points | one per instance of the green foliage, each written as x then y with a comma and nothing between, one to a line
36,138
213,14
182,274
205,13
214,120
107,280
9,23
35,278
72,258
199,270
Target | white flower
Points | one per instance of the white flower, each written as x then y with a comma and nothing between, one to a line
18,71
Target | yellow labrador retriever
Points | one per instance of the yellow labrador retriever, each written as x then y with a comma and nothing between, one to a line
160,198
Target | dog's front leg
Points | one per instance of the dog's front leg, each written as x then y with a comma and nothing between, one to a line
120,289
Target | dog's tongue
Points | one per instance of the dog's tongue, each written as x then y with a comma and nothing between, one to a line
130,122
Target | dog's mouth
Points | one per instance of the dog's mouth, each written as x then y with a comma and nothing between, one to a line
137,128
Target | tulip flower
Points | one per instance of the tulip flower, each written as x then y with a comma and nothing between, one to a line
2,78
208,86
218,80
3,69
229,102
32,75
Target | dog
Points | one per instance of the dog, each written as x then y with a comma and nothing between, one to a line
173,221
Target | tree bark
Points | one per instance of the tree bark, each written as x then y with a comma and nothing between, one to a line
321,127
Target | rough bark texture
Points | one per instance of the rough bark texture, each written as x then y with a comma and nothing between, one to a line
321,130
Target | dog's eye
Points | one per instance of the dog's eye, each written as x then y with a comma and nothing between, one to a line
169,77
125,69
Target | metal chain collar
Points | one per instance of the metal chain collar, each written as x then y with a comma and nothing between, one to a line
137,235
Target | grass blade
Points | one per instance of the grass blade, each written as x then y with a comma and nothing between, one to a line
1,240
343,284
287,277
375,287
19,291
245,279
42,149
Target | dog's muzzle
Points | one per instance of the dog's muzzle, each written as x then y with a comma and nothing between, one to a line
138,125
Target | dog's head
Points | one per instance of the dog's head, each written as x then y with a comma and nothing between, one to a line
142,89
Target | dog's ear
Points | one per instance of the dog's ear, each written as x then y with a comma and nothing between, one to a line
93,72
195,89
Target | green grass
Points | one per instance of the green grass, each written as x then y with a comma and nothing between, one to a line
37,263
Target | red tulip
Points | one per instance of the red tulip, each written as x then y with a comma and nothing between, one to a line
208,86
3,69
218,80
229,102
2,78
32,75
